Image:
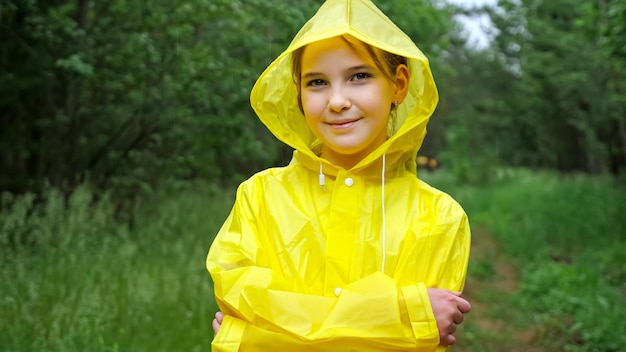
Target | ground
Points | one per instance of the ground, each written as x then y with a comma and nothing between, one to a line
492,279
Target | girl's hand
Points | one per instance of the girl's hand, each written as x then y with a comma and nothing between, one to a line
217,322
448,308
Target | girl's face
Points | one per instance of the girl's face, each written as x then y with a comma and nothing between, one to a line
346,99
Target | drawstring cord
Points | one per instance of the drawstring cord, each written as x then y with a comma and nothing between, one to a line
322,178
384,229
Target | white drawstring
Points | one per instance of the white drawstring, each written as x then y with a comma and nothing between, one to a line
322,178
384,229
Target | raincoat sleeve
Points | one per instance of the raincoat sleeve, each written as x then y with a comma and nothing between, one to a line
263,312
449,244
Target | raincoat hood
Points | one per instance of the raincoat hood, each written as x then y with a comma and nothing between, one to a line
274,96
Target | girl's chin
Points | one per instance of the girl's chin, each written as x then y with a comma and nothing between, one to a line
346,149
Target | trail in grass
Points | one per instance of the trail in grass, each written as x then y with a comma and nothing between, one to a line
491,325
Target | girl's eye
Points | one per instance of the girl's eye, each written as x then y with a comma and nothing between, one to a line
361,76
316,83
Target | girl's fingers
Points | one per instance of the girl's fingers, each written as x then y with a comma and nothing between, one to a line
464,306
219,316
216,326
458,318
449,340
217,322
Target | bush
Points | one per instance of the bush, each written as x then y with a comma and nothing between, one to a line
566,234
76,279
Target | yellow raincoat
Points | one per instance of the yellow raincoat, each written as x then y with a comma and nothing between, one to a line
302,267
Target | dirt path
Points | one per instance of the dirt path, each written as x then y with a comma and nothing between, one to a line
490,325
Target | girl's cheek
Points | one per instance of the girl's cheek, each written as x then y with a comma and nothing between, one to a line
309,105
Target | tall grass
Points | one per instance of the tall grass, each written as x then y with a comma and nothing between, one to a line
72,278
75,279
567,236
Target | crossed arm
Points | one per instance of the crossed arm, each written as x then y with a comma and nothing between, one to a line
448,307
373,310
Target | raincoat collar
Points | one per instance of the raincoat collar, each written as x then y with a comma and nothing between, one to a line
274,96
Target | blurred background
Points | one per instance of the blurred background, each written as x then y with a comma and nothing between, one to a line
125,127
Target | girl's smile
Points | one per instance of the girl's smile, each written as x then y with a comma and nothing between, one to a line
342,124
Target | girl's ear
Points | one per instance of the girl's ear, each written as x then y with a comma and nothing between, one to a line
401,82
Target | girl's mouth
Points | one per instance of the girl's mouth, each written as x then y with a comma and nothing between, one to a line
340,125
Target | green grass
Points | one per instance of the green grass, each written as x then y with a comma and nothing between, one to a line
74,279
567,236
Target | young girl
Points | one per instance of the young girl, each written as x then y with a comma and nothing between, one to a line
344,249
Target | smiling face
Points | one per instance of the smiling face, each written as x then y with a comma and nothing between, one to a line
346,98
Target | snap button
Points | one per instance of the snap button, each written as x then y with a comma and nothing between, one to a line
349,182
337,291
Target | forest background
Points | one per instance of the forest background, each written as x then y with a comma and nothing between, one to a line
126,126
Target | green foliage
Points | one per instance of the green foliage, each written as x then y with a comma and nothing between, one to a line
559,74
78,280
481,270
127,95
548,92
574,306
74,278
567,237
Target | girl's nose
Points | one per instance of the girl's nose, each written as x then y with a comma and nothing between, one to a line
338,100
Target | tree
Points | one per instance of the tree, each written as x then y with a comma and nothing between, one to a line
555,98
129,95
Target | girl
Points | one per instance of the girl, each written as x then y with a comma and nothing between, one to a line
344,249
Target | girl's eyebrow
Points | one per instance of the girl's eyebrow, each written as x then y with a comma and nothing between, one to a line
311,74
359,68
349,69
